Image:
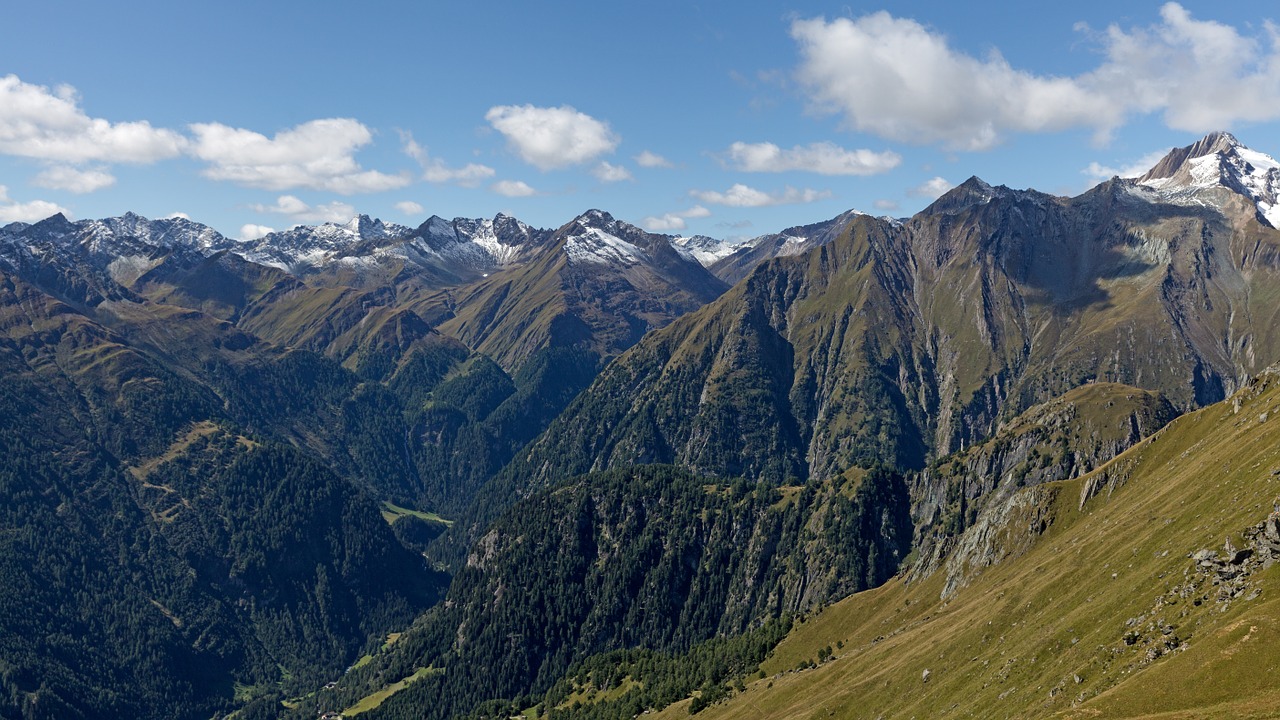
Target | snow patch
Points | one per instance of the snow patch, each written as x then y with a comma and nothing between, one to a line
707,250
597,246
791,245
1235,167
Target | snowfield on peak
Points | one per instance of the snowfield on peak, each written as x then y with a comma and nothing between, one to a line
475,245
594,245
1218,161
706,250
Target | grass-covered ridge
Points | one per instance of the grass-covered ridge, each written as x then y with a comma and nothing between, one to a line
1098,612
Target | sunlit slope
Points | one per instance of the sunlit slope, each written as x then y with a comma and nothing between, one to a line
901,342
1096,609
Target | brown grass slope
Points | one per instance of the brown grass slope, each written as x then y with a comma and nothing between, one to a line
1094,606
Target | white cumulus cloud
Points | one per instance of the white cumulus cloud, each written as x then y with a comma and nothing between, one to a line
64,177
669,222
823,158
250,231
740,195
513,188
609,173
1201,75
409,207
893,77
436,171
898,79
176,215
1098,171
647,159
552,137
932,188
37,122
318,155
301,212
28,212
885,205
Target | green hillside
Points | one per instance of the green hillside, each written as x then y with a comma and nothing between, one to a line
900,342
1112,596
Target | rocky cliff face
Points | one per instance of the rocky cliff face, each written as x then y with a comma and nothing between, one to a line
900,341
1062,439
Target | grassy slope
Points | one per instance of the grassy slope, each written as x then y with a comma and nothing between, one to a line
1014,641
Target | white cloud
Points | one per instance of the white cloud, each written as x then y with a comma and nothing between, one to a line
743,196
823,158
45,124
663,223
63,177
1202,75
409,207
469,175
609,173
513,188
885,205
673,221
553,137
933,188
436,171
648,159
175,215
37,122
318,155
300,212
895,78
1100,172
251,231
28,212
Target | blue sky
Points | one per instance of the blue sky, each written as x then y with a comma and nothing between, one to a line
718,118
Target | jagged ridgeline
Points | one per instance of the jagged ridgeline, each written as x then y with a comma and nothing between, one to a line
898,341
223,460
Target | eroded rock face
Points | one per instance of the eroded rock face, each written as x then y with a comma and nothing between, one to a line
1231,570
1059,440
1006,529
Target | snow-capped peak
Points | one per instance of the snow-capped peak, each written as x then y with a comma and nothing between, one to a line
706,250
1218,160
596,237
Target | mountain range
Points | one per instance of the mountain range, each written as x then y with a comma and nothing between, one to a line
489,463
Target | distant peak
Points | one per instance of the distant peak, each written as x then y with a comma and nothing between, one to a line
359,222
1217,142
57,221
974,191
595,217
1219,160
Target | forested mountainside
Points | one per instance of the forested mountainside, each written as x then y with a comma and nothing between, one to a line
476,467
223,438
650,557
